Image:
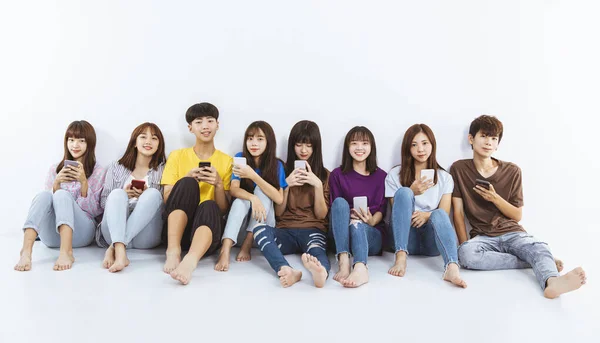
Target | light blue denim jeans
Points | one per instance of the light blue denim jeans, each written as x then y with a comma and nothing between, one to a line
434,237
240,211
138,229
513,250
50,210
359,240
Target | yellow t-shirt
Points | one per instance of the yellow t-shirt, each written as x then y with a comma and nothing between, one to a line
181,161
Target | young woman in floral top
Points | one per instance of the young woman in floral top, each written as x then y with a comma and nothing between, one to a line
63,215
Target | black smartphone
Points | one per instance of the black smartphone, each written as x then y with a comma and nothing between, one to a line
482,183
203,164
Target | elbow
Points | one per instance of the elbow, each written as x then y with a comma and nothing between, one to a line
278,200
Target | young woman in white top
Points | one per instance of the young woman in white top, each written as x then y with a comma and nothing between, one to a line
421,205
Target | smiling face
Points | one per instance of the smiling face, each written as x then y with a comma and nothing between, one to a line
421,147
484,145
204,128
77,147
360,149
256,143
147,143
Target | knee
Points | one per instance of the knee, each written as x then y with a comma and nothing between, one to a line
438,216
186,182
150,193
61,194
340,204
468,254
403,194
117,194
208,206
263,235
44,197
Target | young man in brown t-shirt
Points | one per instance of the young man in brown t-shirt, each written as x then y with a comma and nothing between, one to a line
494,209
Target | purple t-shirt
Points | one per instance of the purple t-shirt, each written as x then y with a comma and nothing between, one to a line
353,184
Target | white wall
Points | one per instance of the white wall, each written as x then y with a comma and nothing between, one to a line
385,65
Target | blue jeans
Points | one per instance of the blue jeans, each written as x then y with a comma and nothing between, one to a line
239,214
359,240
140,228
50,210
434,237
274,243
510,251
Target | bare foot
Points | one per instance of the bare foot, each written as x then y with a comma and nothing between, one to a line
288,276
121,260
173,260
452,275
244,255
399,267
223,261
559,265
318,272
565,283
109,257
344,268
64,261
183,272
24,263
358,277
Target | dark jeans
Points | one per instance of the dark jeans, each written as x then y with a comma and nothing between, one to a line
185,196
274,243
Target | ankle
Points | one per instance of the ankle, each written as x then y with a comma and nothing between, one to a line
173,251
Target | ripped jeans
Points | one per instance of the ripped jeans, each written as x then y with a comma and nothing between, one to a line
275,242
515,250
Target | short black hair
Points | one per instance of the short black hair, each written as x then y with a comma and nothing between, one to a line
488,125
203,109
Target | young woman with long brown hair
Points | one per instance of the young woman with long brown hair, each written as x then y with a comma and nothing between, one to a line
421,205
132,198
256,186
63,215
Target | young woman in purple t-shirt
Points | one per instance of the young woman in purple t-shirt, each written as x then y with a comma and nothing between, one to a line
357,231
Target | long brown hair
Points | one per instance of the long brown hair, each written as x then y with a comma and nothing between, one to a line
307,132
359,133
130,156
407,167
268,161
81,129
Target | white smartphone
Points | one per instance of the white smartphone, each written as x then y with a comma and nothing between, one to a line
300,164
360,202
239,161
428,173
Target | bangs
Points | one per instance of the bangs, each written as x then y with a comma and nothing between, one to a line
490,129
153,130
304,138
254,131
360,136
76,131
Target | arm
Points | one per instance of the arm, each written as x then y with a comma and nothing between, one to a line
90,203
446,203
320,206
459,220
280,208
507,209
221,196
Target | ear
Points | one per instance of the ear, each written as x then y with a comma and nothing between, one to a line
217,129
190,128
471,138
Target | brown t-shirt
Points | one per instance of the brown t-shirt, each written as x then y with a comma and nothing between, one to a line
300,211
485,218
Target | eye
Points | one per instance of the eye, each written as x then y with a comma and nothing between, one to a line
154,138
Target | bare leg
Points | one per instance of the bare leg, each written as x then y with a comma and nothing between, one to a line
176,223
358,277
24,263
318,272
452,275
109,257
244,254
555,286
65,258
399,267
121,260
344,270
223,261
200,243
288,276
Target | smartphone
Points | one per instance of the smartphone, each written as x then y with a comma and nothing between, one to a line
360,202
203,164
482,183
239,161
300,164
70,163
138,184
428,173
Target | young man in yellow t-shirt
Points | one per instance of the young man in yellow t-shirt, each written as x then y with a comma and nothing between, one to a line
196,191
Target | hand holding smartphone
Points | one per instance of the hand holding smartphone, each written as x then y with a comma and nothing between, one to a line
203,165
360,203
483,183
239,161
138,184
300,164
429,174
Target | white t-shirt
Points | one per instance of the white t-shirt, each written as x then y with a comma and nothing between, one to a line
428,201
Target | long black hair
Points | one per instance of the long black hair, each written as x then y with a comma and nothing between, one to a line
306,132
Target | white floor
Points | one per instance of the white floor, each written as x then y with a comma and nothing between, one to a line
247,304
